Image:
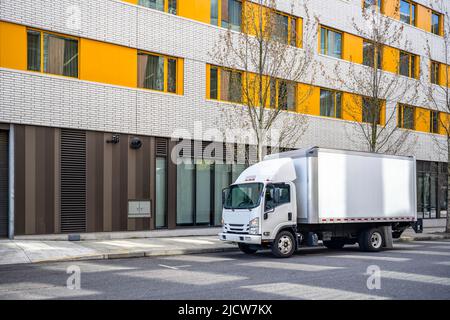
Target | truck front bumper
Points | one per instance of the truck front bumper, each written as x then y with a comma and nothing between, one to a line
244,238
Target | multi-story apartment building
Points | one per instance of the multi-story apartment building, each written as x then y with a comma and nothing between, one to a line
81,80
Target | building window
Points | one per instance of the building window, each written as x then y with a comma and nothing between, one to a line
431,190
185,193
436,23
330,42
378,4
330,103
434,121
435,72
227,14
169,6
408,12
225,84
406,117
282,94
408,64
161,193
285,29
157,72
51,53
371,110
371,56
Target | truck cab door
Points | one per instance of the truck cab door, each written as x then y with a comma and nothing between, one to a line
278,209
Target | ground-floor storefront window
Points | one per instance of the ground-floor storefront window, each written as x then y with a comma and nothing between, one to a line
199,190
431,190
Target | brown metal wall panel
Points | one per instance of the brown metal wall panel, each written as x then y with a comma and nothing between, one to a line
123,214
150,163
30,180
107,183
19,180
4,172
44,181
94,181
57,180
171,190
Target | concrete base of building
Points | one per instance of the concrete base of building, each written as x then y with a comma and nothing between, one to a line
182,232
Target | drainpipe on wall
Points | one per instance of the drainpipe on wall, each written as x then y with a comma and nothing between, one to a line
11,183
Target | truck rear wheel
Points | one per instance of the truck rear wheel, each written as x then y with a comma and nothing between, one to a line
371,240
245,248
284,245
334,244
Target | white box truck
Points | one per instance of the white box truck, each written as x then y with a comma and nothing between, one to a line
341,197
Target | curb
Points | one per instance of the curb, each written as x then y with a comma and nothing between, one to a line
132,254
424,238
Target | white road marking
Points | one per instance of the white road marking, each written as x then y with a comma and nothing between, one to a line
191,241
289,266
198,258
431,253
441,247
445,263
300,291
174,268
196,278
129,244
380,258
434,242
415,277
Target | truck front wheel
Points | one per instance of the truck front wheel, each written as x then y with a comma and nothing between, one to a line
284,245
371,240
245,248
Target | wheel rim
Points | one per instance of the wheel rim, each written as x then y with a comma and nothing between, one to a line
285,244
376,240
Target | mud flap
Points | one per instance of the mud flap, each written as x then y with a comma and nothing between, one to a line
387,236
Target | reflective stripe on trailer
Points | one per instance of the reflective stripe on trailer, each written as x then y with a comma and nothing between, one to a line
340,220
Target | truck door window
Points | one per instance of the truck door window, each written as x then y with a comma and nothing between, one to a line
269,201
284,193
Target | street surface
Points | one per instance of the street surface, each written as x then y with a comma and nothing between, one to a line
414,270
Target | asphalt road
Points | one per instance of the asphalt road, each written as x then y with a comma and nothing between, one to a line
419,270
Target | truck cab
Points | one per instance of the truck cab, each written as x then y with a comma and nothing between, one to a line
258,206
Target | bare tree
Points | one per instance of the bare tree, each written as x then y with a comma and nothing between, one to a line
437,90
265,66
376,124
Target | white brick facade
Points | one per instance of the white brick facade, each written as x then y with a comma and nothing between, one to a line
45,100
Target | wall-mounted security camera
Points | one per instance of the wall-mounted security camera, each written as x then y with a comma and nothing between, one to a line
135,143
114,140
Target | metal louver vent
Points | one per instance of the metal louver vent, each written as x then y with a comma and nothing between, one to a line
3,184
161,147
73,181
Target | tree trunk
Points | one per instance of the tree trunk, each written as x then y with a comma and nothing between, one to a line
447,226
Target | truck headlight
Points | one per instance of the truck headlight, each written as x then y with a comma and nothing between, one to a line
254,226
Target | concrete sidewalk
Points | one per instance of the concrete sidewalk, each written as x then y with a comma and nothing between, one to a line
34,250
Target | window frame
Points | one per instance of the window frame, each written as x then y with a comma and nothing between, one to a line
434,121
412,62
42,49
382,102
289,35
440,17
401,118
166,72
436,66
219,71
219,14
277,96
334,93
379,4
328,29
166,7
412,12
377,57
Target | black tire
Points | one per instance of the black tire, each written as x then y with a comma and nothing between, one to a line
284,245
371,240
247,249
335,244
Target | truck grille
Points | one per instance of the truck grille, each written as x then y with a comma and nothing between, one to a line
236,228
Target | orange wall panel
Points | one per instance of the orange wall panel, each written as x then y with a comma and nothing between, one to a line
423,18
391,8
353,48
391,59
308,99
13,46
199,10
422,120
351,107
108,63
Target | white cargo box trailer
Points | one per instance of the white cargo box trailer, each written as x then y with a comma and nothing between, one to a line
340,197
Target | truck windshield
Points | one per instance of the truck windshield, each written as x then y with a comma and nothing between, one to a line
243,196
